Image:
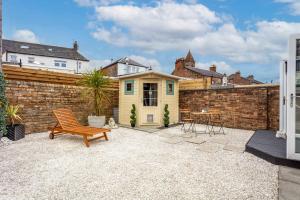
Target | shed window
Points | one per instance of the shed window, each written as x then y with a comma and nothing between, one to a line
129,87
150,94
170,87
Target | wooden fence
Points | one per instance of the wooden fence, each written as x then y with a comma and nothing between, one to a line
195,84
26,74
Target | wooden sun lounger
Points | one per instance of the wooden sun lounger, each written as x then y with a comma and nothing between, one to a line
67,123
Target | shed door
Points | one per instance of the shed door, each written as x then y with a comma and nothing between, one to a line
150,99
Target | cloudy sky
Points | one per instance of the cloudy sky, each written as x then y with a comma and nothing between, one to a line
246,35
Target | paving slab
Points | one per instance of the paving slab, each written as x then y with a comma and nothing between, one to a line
173,140
219,140
195,140
290,174
187,135
235,148
210,147
166,135
288,190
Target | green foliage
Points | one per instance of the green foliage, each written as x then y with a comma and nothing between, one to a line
98,87
166,116
3,104
12,114
133,116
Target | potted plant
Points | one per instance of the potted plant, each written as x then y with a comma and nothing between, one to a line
133,116
166,116
97,87
14,131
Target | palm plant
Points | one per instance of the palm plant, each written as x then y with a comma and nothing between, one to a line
12,114
97,86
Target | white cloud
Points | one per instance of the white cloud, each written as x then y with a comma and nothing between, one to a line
222,67
88,3
177,26
294,5
25,35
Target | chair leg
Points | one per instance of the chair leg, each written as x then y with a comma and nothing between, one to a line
105,136
86,141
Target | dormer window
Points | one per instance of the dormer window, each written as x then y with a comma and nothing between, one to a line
24,47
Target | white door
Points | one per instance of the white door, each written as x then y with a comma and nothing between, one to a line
293,99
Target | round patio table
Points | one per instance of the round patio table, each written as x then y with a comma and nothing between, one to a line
208,115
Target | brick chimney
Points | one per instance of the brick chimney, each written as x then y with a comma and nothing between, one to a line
213,68
238,74
75,46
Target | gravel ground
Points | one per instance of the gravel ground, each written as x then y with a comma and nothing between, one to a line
135,165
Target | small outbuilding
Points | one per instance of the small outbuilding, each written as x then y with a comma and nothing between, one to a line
149,91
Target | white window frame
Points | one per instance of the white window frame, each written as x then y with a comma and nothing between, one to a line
60,63
31,60
291,100
15,58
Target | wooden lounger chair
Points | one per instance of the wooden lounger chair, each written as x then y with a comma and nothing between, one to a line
67,123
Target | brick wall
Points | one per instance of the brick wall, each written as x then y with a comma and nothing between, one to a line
245,107
181,71
37,100
111,71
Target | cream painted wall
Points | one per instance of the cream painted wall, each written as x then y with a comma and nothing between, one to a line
126,101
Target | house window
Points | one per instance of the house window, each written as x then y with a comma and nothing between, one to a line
60,63
129,87
169,87
13,58
31,60
150,94
79,65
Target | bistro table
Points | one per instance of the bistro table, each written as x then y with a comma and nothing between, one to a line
208,116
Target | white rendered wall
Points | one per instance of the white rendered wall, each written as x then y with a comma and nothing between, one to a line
47,63
129,69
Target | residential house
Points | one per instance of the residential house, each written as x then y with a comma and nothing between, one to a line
46,57
237,79
185,67
123,66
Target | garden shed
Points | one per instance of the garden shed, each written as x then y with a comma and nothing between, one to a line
149,91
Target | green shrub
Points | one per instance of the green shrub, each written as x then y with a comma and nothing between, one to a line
166,116
133,116
3,104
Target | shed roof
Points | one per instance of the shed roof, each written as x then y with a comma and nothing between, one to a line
149,73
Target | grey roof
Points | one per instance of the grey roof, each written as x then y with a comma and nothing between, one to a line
41,50
252,81
205,72
126,60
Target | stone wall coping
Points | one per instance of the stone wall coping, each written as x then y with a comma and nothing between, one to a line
237,87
